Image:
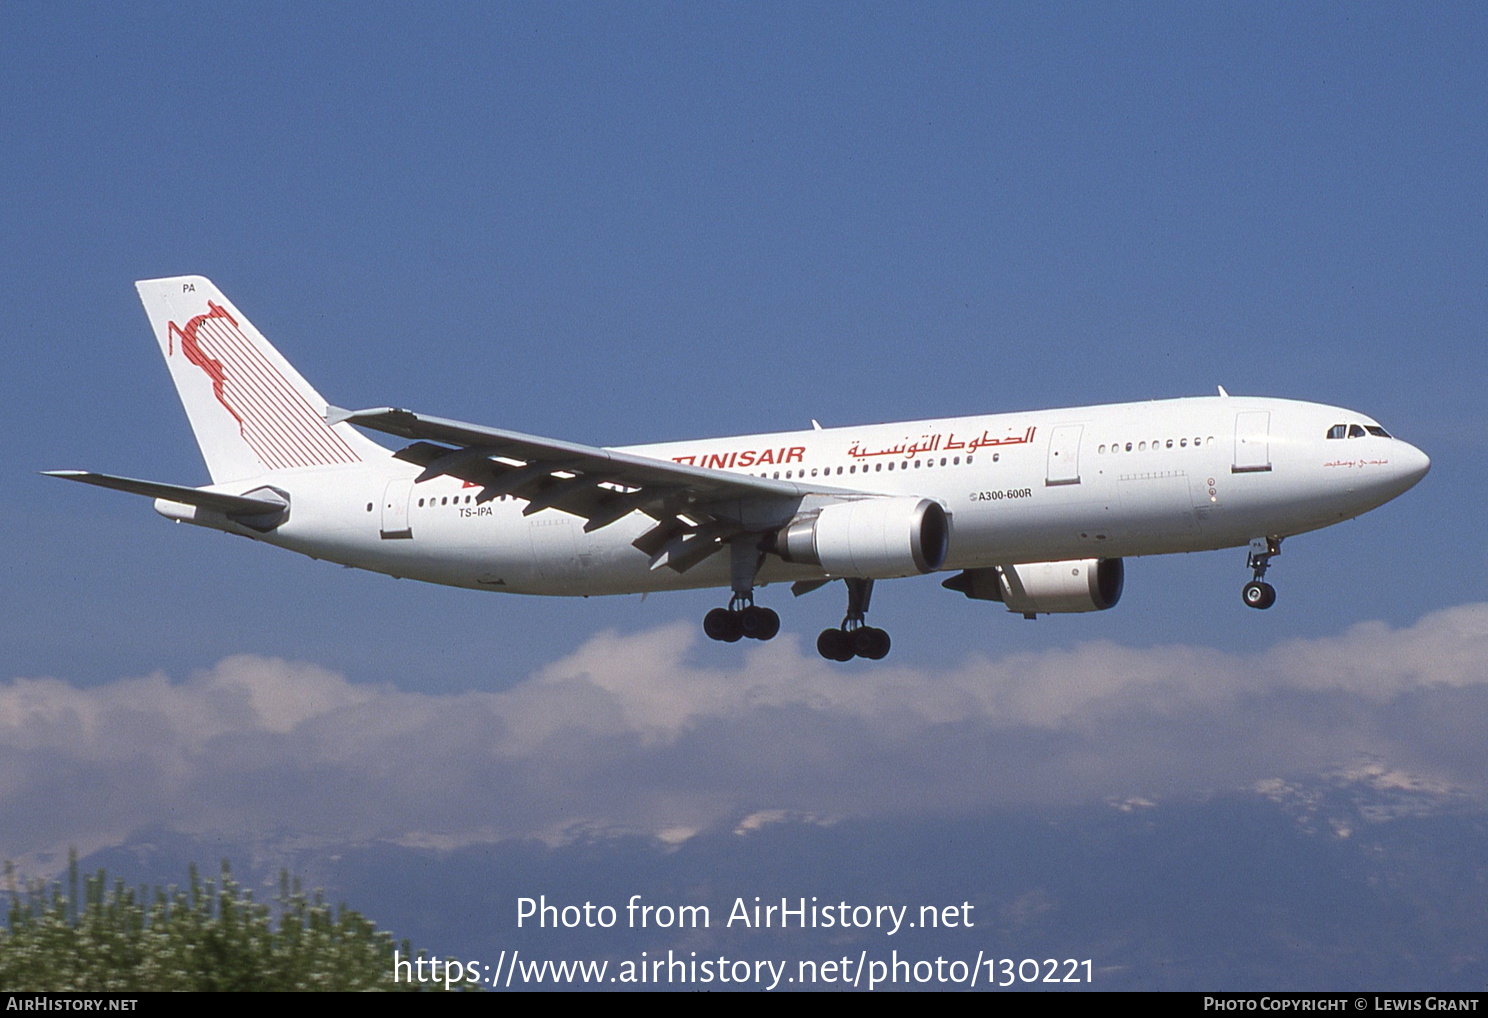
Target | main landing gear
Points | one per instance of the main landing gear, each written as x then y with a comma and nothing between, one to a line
739,620
853,638
1258,593
742,617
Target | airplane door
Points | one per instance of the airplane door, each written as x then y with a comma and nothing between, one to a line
1252,442
1064,455
1156,504
555,550
395,498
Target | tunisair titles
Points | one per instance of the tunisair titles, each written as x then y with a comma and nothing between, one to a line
928,443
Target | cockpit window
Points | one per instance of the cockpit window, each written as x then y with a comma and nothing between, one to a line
1357,431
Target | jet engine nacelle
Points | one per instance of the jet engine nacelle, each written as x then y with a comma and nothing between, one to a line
1076,585
871,538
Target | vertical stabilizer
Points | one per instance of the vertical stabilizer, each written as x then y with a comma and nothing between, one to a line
251,411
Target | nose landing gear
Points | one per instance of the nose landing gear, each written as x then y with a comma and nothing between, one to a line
1258,593
853,638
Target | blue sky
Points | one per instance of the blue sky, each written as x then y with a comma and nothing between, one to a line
622,224
629,223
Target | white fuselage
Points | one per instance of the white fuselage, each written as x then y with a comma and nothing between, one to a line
1050,485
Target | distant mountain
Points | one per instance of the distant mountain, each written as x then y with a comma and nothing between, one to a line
1363,880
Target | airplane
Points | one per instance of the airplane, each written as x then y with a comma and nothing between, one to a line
1036,509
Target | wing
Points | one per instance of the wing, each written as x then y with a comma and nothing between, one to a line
695,510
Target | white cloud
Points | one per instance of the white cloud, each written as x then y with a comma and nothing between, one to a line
629,732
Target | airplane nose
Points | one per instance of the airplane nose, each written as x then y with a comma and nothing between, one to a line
1391,477
1412,465
1409,466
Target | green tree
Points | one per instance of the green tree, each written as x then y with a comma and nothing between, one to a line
208,935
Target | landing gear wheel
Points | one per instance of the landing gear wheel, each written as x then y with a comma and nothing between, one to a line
1258,594
724,625
835,645
871,643
758,623
853,638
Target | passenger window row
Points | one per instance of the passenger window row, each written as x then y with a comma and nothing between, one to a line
457,500
1155,444
926,463
944,461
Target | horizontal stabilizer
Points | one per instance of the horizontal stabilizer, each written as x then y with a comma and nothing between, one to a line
230,505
